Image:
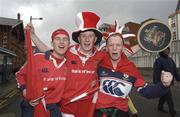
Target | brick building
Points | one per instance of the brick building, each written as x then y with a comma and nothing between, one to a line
12,40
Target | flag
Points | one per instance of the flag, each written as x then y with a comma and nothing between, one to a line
34,85
93,107
83,95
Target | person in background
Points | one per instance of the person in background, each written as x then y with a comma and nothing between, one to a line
52,71
166,63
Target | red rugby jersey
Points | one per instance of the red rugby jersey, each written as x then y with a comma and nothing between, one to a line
52,75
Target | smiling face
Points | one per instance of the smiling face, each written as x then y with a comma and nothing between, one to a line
87,40
60,45
115,47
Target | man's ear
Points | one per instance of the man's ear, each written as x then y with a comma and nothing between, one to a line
79,39
123,49
52,46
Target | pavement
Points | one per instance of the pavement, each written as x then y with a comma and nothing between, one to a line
8,92
8,115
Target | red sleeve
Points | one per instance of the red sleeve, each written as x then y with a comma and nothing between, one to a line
139,78
21,77
101,55
139,81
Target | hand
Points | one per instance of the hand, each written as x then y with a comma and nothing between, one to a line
34,102
30,27
135,48
24,93
166,78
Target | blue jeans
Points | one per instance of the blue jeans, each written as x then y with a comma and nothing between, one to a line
28,111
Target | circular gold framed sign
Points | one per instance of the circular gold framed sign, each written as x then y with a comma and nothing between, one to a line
154,36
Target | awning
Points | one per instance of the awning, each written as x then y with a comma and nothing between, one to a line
7,52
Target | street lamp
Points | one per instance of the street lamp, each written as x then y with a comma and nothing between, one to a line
32,18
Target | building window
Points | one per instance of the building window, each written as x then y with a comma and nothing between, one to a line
5,41
173,25
174,35
4,35
1,59
4,46
177,60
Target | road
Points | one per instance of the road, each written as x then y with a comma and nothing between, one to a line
148,107
12,108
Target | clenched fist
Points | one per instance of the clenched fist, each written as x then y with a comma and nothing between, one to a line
166,78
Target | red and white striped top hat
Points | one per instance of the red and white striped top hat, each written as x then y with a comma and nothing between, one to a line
87,21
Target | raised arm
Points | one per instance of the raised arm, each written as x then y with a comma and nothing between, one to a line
36,40
159,89
134,49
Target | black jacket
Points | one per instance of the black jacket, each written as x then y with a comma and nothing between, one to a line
164,62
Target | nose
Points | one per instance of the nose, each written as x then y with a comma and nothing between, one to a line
114,47
61,40
87,38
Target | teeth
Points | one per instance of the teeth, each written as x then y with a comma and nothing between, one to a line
61,46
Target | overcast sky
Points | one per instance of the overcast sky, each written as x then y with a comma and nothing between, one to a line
61,13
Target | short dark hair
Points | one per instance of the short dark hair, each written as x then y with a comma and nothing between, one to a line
168,48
